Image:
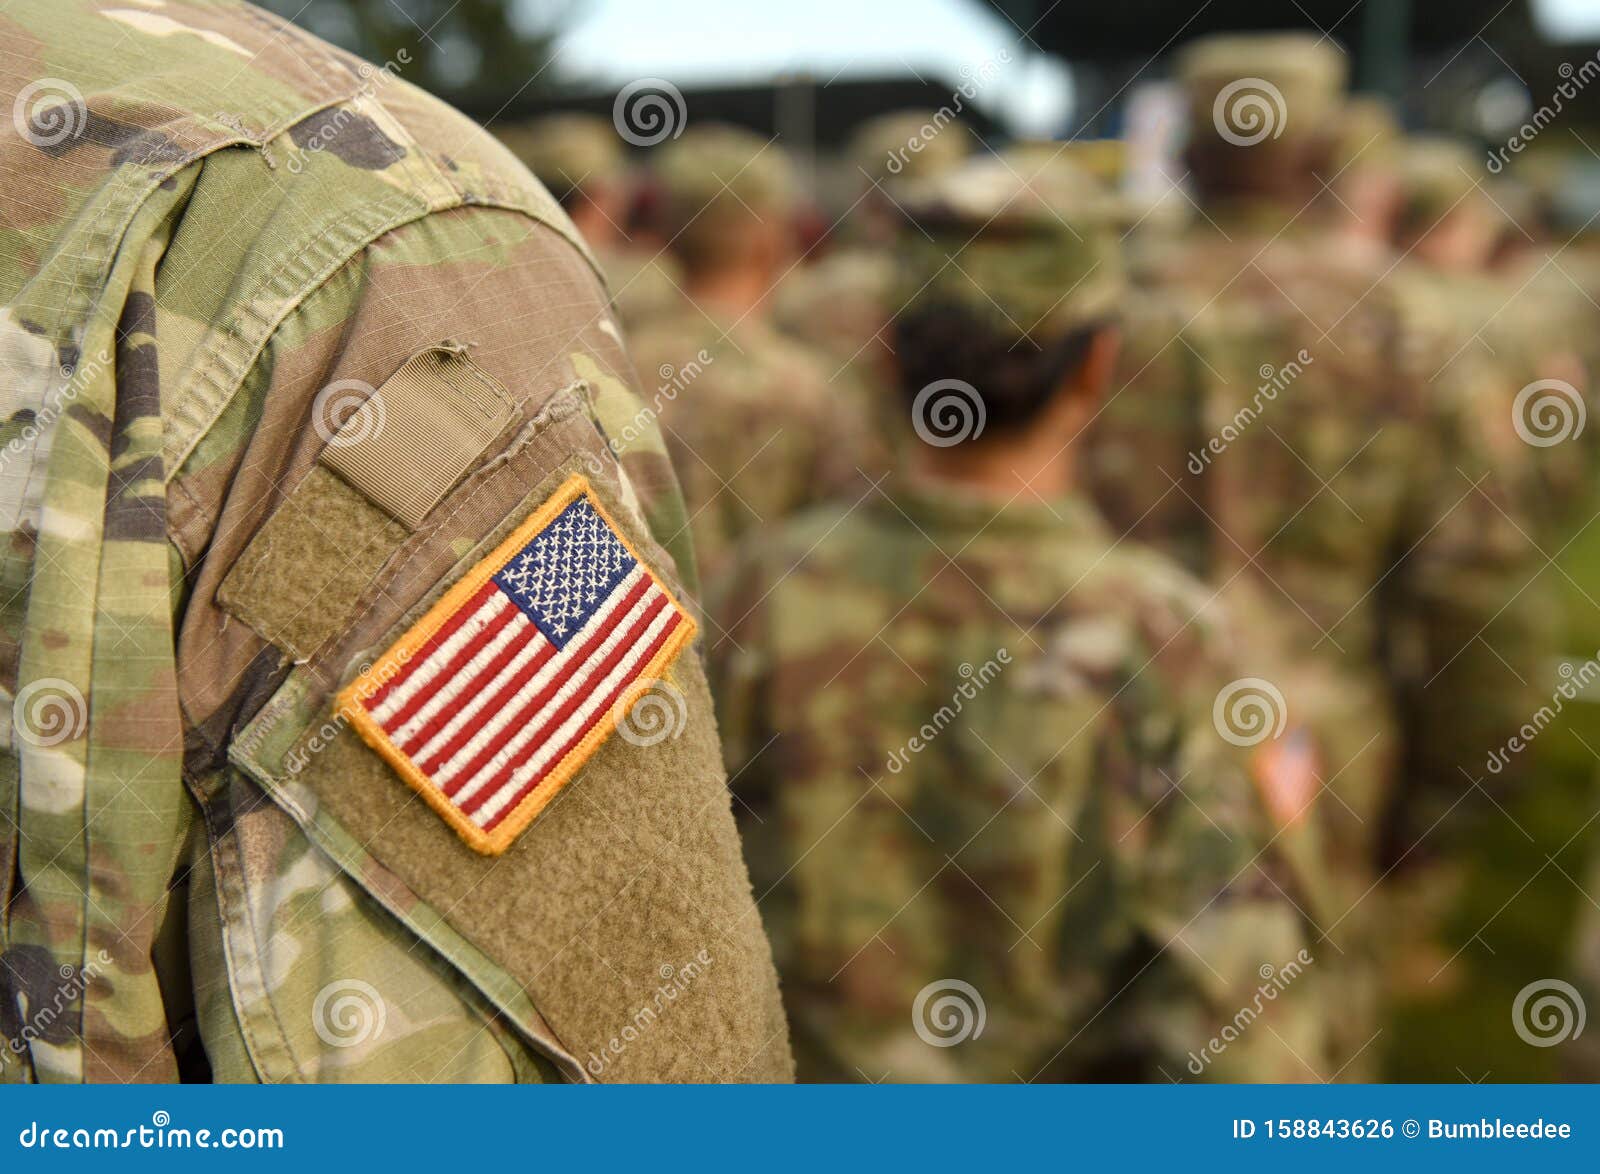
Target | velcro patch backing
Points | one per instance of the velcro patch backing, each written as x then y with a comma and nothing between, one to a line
298,579
493,701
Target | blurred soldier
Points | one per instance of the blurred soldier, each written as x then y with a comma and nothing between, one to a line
1550,282
579,158
995,831
1446,232
1494,333
299,367
755,429
894,148
840,303
1482,344
1275,431
1362,173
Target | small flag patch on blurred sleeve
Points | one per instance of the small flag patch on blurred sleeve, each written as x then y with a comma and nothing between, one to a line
1288,776
494,700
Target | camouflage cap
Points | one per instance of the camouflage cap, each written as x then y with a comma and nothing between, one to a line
1260,88
1106,159
909,144
568,151
714,176
1545,178
1103,159
1036,250
1435,174
1367,134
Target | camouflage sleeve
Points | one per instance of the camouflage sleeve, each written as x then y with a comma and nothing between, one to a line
1210,898
92,780
415,922
306,376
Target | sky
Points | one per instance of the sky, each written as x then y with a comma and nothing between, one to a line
1568,19
612,42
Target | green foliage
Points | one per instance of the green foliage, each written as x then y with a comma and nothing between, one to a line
480,55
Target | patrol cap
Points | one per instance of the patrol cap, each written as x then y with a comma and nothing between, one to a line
1103,159
1367,133
715,178
1036,251
1435,175
568,151
909,144
1252,89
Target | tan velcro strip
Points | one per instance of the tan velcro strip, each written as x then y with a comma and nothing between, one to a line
297,580
419,433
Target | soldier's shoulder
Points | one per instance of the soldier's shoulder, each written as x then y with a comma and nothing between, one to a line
738,362
161,87
644,285
672,335
1168,607
830,534
848,271
826,552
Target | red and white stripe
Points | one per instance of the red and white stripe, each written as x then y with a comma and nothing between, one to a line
488,706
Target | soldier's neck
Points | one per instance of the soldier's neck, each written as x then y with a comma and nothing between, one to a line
1035,467
735,293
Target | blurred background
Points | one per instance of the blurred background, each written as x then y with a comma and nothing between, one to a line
808,76
811,73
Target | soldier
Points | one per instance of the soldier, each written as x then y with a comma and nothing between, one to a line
840,303
579,158
889,149
1482,349
1445,231
994,829
1367,142
1273,428
308,774
754,427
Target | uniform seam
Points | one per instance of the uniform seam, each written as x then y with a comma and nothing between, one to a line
359,231
227,361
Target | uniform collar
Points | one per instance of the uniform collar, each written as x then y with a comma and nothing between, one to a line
1258,214
932,504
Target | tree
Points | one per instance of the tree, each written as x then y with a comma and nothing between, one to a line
480,55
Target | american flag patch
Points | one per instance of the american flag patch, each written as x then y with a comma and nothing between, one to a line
492,702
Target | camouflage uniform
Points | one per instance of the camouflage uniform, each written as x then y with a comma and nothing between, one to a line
645,284
755,429
1273,428
994,829
213,222
569,152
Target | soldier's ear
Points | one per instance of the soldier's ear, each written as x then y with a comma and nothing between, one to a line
1099,362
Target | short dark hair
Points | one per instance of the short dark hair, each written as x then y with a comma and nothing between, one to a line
1286,171
1016,376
